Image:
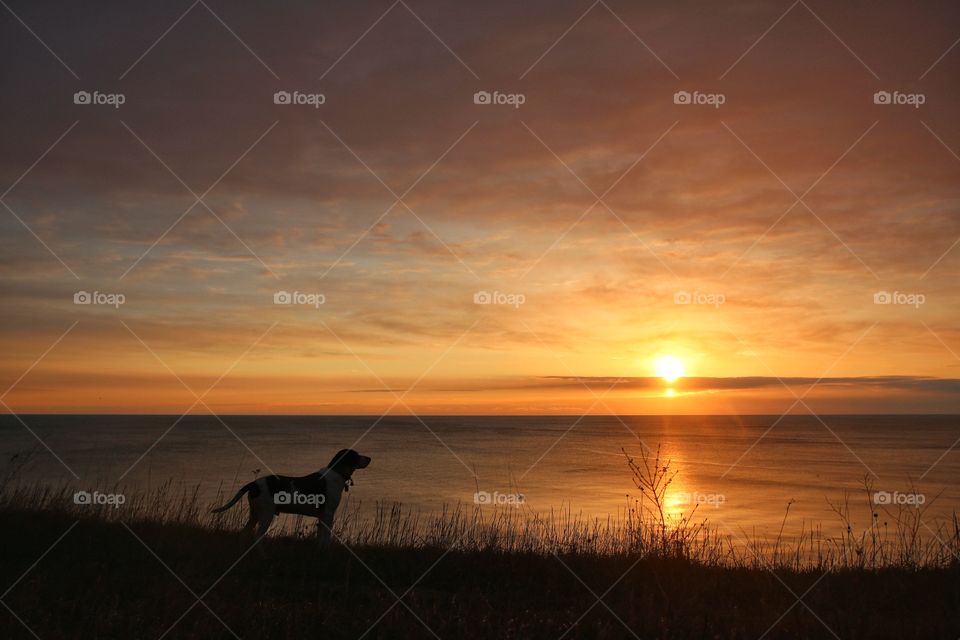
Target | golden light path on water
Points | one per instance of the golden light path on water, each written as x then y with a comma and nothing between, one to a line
679,501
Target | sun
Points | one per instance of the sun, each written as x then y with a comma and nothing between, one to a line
670,368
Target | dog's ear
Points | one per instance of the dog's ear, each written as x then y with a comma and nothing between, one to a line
341,457
348,458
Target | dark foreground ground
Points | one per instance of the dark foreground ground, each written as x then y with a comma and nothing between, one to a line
101,581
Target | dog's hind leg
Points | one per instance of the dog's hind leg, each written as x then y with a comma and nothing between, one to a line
251,523
265,522
263,515
252,515
262,512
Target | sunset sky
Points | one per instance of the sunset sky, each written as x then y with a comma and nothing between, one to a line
747,240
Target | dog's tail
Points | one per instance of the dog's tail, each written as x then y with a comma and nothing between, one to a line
245,488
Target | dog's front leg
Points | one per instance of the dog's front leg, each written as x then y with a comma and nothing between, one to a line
325,529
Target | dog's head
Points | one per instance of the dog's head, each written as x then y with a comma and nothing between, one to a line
347,461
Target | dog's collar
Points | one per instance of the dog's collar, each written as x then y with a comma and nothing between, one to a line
347,478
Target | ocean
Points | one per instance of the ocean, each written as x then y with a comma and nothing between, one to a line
741,473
